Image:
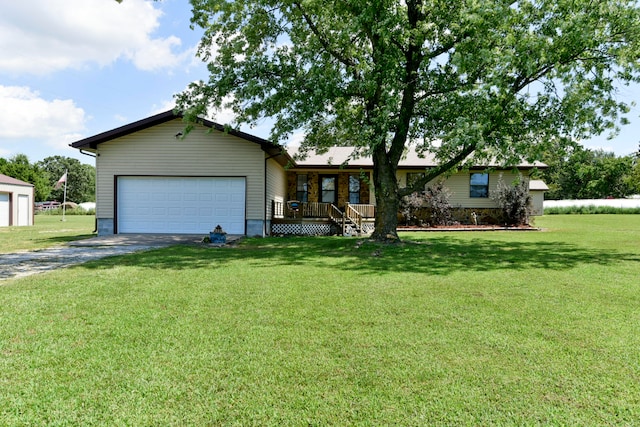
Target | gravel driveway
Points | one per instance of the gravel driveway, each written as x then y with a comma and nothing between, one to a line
22,264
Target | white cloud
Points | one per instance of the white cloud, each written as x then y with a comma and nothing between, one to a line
162,107
224,115
120,118
42,36
295,140
25,115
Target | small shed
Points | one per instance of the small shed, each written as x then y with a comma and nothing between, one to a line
16,202
537,189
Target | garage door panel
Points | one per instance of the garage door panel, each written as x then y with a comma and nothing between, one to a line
180,205
159,211
4,209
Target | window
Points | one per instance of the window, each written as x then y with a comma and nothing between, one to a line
479,185
354,189
302,188
328,189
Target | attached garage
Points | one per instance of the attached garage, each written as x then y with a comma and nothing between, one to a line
152,177
16,202
180,205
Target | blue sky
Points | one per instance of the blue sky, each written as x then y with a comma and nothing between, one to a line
70,69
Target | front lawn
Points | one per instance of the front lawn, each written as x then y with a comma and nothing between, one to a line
48,230
473,328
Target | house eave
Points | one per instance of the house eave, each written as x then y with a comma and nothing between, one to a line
298,167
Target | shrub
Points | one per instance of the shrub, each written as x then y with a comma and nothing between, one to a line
434,200
409,206
438,199
514,200
68,211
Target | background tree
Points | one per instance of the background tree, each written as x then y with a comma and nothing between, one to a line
633,179
588,174
19,167
491,79
81,178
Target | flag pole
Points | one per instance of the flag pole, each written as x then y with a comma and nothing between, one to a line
64,199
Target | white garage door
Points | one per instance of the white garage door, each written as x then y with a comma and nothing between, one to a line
180,205
4,209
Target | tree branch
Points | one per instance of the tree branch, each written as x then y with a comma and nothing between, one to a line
437,171
347,62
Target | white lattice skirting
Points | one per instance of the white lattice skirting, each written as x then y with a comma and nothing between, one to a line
301,229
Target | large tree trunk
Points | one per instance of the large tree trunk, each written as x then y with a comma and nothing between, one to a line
387,201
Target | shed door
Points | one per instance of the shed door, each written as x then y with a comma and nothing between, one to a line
4,209
23,209
180,205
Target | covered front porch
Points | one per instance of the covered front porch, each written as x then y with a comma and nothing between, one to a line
319,218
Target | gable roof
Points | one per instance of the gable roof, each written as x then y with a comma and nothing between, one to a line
538,185
336,156
92,142
333,158
4,179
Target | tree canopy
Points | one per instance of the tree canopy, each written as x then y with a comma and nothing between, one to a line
580,173
81,178
18,167
466,80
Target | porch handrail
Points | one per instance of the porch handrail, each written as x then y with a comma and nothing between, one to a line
354,216
334,213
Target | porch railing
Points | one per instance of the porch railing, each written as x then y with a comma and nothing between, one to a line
316,210
277,209
351,214
336,215
365,210
290,210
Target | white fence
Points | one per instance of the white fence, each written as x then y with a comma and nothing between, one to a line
614,203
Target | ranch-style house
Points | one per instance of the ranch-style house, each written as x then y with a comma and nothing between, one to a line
152,179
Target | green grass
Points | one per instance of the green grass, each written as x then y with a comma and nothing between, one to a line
48,230
473,328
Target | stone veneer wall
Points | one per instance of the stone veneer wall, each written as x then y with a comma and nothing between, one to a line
313,185
343,190
365,196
